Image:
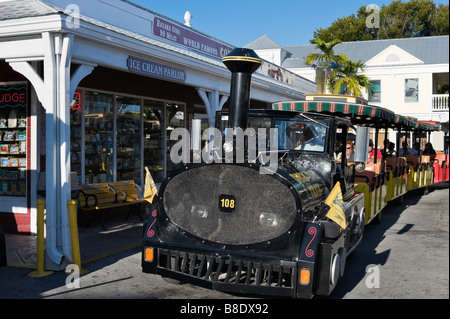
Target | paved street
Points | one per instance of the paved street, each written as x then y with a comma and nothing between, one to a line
410,250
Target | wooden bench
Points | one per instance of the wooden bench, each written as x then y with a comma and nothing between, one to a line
96,197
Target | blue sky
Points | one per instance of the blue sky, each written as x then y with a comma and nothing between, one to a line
239,22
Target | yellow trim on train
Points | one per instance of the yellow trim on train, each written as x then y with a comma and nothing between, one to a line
379,191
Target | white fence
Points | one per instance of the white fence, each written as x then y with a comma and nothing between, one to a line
439,102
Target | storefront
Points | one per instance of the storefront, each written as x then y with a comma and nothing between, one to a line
121,135
99,98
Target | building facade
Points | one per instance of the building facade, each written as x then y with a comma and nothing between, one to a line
89,93
409,76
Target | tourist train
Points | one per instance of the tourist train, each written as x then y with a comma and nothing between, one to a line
281,229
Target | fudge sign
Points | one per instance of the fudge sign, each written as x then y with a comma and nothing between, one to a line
13,96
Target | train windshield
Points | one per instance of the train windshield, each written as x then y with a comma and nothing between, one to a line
301,135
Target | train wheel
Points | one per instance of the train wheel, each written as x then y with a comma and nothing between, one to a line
334,271
338,266
361,223
357,229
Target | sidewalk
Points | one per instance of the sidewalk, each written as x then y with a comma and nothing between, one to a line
95,243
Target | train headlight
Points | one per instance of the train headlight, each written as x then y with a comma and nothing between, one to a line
199,211
268,220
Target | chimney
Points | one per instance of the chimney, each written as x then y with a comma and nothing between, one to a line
242,63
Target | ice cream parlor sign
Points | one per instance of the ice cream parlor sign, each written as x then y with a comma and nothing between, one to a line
151,68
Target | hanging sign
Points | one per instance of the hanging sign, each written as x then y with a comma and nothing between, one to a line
175,33
156,69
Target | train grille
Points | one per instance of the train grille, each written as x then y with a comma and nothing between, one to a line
242,274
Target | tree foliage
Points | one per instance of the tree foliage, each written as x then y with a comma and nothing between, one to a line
325,58
347,78
342,76
416,18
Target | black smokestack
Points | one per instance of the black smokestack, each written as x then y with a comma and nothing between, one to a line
242,63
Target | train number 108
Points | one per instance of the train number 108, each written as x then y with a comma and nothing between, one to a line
227,203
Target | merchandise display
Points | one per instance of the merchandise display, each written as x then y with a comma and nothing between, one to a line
128,139
13,161
113,137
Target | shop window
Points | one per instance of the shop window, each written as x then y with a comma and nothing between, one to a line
98,138
375,91
13,139
128,139
412,90
153,138
175,117
120,136
75,134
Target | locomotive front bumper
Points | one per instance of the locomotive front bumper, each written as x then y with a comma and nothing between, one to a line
271,277
250,271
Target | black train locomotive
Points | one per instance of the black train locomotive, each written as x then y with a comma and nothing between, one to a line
230,226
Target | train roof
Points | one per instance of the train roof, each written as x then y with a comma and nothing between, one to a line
358,111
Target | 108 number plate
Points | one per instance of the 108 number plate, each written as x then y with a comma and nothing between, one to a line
227,203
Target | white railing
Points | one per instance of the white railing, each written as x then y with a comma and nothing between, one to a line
439,102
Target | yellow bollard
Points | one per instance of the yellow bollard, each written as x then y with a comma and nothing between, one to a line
40,271
74,231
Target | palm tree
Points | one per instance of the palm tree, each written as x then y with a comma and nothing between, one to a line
326,59
347,78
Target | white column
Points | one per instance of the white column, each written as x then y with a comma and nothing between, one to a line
55,92
214,101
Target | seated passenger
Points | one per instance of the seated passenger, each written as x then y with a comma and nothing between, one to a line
428,150
392,151
385,151
349,151
372,152
417,148
405,150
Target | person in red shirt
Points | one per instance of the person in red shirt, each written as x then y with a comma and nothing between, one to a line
372,152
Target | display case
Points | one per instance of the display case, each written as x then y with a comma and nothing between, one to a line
113,137
128,139
154,139
13,139
175,118
98,138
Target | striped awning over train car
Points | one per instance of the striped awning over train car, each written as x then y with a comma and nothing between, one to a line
358,113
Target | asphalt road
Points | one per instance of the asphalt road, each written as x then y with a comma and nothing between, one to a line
408,251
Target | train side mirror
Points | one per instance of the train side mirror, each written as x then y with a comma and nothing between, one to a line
361,146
